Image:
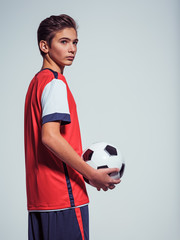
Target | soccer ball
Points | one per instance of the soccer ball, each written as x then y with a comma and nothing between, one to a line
103,155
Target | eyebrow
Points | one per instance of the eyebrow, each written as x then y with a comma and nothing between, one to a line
68,39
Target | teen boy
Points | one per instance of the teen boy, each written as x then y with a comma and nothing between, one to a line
56,194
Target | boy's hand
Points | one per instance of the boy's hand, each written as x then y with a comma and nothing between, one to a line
101,179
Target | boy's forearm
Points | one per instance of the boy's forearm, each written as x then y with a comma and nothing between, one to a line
63,150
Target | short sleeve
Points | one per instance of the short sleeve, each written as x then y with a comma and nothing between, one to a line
54,102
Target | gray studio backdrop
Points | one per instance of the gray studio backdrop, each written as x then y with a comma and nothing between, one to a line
125,82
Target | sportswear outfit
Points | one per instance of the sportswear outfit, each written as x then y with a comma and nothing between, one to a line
51,184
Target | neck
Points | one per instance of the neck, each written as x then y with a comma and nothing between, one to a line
47,63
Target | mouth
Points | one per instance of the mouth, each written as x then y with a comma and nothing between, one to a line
70,58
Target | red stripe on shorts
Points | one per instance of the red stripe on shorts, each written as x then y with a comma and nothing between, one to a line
80,222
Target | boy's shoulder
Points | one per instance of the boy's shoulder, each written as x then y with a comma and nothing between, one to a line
46,75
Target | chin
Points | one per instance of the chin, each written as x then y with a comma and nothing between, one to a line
68,64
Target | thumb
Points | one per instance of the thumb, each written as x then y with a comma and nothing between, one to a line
112,170
114,174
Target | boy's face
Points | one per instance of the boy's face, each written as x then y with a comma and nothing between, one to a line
63,47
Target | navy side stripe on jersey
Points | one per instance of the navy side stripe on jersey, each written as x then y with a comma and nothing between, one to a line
69,185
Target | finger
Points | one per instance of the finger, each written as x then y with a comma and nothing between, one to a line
105,188
98,189
116,181
111,186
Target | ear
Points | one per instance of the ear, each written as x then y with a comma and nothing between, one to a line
43,46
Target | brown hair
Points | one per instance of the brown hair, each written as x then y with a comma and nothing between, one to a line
49,26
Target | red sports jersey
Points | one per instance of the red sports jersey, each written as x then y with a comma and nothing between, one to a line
51,184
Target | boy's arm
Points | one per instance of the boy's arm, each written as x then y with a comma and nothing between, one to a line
54,141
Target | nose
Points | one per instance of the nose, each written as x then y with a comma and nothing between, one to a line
72,48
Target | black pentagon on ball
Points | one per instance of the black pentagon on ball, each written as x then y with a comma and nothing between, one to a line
87,155
103,166
111,150
121,172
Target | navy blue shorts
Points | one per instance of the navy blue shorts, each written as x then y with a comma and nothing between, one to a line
70,224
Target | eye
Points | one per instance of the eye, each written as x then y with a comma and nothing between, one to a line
64,41
75,43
